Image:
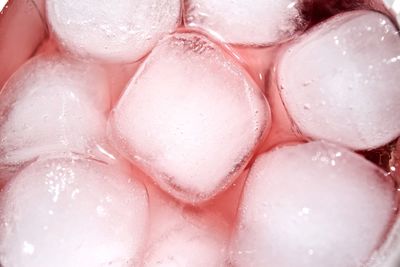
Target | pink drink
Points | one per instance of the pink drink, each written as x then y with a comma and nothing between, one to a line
199,133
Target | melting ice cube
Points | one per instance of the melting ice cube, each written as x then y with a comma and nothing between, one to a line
340,81
72,212
113,30
184,237
310,205
257,22
190,118
52,104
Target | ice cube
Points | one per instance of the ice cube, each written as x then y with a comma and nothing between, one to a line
187,245
21,29
180,236
340,81
113,30
394,8
313,204
257,22
69,212
388,253
52,104
190,118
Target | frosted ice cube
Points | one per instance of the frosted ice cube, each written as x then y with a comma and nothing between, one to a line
190,118
113,30
52,104
340,81
310,205
72,212
257,22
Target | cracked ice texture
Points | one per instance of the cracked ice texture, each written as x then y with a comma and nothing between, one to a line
257,22
190,118
340,81
312,204
72,212
113,30
52,104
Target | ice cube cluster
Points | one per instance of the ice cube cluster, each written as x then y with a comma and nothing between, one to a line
200,133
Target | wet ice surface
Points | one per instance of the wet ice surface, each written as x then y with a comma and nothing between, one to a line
257,22
190,117
312,205
347,91
72,212
52,104
117,31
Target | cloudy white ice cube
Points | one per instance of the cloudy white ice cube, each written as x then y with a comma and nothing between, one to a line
114,30
257,22
340,81
52,104
190,117
312,204
69,212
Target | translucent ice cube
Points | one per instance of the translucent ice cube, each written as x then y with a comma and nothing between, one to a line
310,205
52,104
21,30
113,30
72,212
190,118
257,22
340,81
180,236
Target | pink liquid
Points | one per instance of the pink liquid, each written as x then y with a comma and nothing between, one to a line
23,34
